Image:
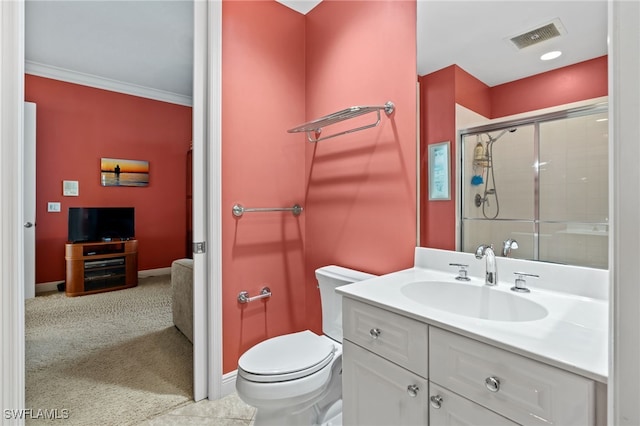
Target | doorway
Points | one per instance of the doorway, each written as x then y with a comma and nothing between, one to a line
206,374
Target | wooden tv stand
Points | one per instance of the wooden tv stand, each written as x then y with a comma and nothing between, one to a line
100,266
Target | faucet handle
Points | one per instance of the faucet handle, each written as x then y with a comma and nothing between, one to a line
462,272
508,245
521,283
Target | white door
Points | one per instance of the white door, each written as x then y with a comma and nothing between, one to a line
29,200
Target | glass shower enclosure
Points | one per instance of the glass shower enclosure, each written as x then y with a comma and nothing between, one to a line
542,182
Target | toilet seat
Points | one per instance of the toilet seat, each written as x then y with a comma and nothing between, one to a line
286,357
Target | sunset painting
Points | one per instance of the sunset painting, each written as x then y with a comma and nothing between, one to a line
119,172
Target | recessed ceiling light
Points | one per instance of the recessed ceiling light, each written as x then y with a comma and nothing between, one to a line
551,55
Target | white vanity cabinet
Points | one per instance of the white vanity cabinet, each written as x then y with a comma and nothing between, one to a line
384,367
378,392
401,371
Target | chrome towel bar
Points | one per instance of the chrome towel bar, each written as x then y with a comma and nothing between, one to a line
238,209
313,128
243,296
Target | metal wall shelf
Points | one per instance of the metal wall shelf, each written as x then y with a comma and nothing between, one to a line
315,127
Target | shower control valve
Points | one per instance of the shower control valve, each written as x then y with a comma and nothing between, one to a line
462,272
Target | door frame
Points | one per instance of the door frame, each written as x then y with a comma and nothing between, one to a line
624,205
12,368
207,195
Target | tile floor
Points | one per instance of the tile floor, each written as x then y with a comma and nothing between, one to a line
228,411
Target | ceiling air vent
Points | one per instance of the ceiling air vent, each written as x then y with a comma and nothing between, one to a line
538,35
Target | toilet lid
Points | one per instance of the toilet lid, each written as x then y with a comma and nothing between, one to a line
286,357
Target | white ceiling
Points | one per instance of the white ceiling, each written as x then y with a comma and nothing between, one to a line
475,36
302,6
145,43
149,43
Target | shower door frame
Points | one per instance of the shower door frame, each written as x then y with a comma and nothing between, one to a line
592,109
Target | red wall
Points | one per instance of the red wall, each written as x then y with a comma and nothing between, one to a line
76,126
279,69
472,93
585,80
360,187
262,166
442,90
438,124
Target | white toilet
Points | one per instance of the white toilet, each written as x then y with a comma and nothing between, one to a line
296,379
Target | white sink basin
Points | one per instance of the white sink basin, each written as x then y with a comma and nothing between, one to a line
474,301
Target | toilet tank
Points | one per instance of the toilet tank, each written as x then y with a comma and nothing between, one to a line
330,277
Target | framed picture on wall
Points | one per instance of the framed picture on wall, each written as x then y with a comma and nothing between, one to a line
121,172
439,171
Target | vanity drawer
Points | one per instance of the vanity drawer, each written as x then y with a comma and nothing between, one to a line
449,409
399,339
525,391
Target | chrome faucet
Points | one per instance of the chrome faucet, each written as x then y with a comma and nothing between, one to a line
486,251
509,245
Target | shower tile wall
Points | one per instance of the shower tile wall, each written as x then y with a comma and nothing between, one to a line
574,189
573,192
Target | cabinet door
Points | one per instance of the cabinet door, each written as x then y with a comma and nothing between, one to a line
378,392
519,388
449,409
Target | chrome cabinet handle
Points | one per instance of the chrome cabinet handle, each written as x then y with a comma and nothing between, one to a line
492,383
375,333
436,401
412,390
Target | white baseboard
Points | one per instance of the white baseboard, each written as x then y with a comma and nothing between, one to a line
47,287
229,383
154,272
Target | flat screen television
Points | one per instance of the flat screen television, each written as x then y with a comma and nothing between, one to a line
91,224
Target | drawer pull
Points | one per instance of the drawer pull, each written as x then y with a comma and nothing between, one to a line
412,390
375,333
436,401
492,383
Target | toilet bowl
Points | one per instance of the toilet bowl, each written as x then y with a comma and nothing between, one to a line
296,378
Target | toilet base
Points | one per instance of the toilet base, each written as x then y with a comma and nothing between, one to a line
335,421
330,417
280,418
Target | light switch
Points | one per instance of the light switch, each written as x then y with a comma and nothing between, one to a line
53,207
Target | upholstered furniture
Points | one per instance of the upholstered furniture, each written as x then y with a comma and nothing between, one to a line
182,296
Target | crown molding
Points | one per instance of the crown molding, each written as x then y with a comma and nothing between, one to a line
62,74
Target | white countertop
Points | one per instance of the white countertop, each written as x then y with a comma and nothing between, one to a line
573,336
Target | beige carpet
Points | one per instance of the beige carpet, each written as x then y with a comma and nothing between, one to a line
113,358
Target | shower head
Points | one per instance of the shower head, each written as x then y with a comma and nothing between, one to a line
510,130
